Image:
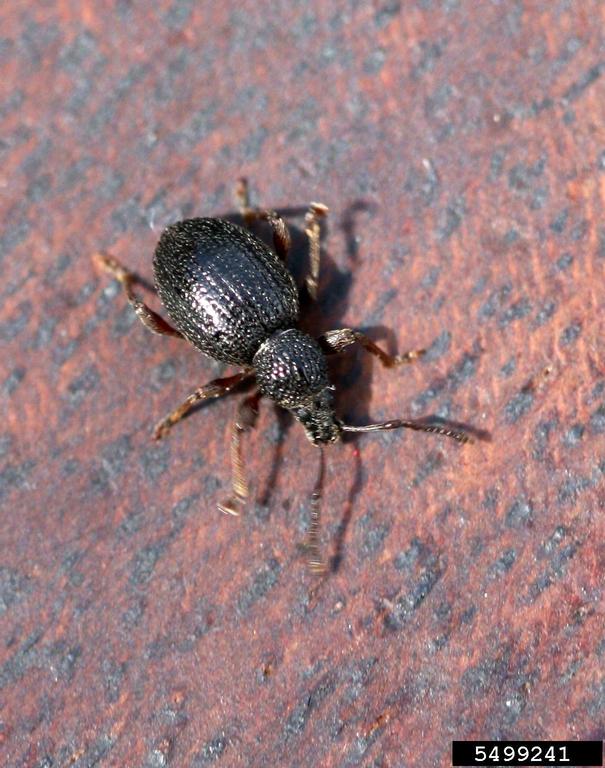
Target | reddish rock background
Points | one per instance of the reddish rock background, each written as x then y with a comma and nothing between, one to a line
461,149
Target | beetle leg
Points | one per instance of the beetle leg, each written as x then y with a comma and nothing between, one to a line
335,341
245,420
311,544
313,231
216,388
147,316
281,236
242,197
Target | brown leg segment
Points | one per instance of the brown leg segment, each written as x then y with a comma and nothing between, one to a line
313,231
245,420
147,316
281,235
216,388
335,341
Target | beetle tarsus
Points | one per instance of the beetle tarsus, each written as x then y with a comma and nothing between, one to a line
407,357
316,212
232,506
312,546
109,264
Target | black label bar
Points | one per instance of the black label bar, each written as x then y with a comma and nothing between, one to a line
552,753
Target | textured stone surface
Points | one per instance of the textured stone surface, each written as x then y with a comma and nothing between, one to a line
460,147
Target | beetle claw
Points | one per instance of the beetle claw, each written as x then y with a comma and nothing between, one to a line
161,429
107,263
232,506
408,357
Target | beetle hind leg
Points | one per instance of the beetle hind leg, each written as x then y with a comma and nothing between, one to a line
281,235
311,544
147,316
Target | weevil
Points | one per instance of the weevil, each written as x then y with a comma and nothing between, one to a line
233,297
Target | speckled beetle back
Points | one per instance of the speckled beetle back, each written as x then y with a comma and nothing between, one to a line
224,289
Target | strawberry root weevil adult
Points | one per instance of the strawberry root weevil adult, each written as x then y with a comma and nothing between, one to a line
233,298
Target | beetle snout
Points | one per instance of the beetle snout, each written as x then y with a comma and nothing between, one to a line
318,418
324,433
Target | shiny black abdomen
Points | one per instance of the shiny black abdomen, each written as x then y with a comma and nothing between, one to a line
224,289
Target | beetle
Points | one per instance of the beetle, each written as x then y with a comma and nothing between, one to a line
233,297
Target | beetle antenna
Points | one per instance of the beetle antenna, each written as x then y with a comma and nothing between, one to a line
459,436
316,563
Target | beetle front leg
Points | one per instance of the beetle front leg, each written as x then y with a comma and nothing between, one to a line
333,342
147,316
281,235
312,544
245,420
215,388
